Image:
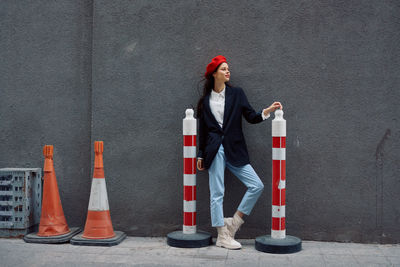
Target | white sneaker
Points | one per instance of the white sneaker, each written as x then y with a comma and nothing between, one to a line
233,224
225,240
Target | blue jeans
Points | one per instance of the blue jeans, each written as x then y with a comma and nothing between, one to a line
245,173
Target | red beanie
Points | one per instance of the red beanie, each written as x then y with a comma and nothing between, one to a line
215,62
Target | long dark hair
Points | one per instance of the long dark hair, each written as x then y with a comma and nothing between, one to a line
207,87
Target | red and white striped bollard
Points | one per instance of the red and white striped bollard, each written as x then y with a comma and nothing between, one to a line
278,241
189,173
189,237
278,229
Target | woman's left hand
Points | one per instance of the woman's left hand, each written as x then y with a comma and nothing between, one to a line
272,108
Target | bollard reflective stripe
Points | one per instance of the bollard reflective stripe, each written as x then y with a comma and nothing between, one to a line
189,179
278,229
189,173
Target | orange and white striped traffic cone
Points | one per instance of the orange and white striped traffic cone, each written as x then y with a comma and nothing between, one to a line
98,221
53,226
98,228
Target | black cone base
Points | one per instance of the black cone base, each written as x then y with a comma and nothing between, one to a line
290,244
181,240
58,239
81,241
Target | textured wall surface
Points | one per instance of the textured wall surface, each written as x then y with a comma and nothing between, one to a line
45,88
334,65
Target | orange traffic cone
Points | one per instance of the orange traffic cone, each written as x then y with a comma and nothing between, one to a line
52,220
53,227
98,222
98,228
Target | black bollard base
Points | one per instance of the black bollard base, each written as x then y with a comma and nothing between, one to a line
289,244
181,240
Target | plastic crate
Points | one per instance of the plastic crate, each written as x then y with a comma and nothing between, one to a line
20,200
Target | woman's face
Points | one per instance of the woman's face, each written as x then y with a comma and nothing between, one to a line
222,74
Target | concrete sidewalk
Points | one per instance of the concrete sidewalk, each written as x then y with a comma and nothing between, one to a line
139,251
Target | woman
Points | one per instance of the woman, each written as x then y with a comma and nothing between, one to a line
222,144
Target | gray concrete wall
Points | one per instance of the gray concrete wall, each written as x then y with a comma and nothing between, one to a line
333,64
45,88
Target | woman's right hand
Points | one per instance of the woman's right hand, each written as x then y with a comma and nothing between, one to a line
200,164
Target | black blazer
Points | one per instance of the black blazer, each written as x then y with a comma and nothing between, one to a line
231,135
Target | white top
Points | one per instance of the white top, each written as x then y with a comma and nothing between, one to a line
217,106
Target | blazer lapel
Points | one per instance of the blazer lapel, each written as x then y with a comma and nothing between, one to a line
228,104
